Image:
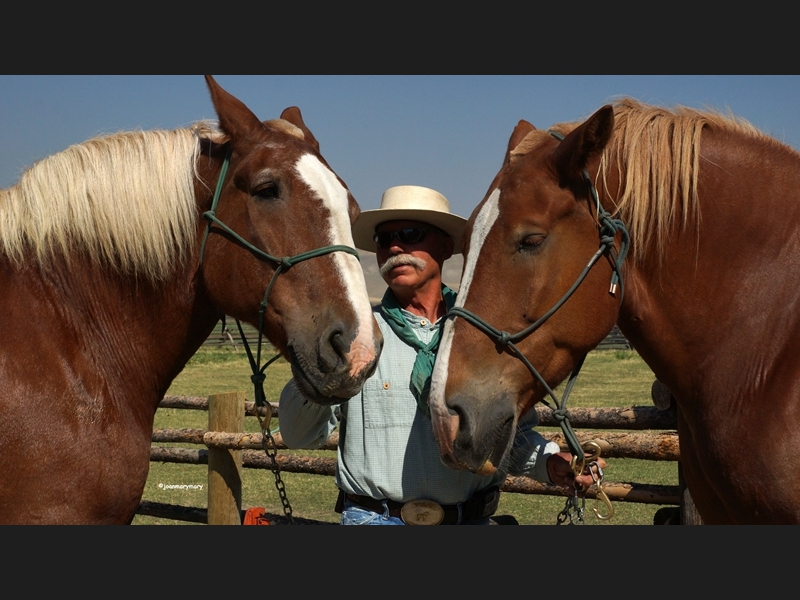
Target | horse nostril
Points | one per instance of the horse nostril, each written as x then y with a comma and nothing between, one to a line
333,348
339,344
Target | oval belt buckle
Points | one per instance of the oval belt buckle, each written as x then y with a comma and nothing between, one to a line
421,512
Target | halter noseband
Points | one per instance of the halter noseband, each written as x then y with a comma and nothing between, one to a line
282,265
608,230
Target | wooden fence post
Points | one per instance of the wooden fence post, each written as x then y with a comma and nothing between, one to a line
689,514
225,413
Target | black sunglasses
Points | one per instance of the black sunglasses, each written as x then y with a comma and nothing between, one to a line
407,235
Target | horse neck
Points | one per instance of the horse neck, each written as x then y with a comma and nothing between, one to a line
144,333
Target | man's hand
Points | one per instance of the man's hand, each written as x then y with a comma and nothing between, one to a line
560,472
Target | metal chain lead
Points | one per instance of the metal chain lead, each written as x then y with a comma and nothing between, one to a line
270,448
573,510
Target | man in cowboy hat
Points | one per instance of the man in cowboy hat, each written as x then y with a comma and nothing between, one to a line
389,471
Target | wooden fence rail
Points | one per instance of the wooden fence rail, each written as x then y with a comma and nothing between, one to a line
643,446
658,443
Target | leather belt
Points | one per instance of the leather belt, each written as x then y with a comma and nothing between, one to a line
483,504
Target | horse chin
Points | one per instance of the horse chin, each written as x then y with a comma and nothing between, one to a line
310,391
471,463
488,468
321,388
489,464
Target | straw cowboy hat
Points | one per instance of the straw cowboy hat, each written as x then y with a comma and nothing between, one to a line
409,203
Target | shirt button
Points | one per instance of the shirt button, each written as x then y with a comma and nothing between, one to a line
424,322
386,385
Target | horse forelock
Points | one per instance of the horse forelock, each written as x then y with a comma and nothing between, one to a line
533,139
124,200
286,127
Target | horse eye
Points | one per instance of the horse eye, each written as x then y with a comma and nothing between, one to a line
532,242
266,191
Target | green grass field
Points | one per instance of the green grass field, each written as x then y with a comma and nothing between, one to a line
608,378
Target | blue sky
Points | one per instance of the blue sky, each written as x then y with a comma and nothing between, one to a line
448,132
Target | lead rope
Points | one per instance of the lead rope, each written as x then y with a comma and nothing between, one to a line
609,227
258,377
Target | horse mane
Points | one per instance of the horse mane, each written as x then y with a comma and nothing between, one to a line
657,156
125,200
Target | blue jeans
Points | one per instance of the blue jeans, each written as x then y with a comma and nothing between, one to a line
352,514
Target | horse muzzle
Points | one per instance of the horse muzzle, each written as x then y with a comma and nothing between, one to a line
331,371
472,435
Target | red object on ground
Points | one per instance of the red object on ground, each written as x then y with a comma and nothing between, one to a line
255,516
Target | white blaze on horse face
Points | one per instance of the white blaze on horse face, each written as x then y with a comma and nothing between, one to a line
334,197
480,229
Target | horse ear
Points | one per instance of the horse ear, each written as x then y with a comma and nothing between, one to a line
235,118
292,114
522,129
583,143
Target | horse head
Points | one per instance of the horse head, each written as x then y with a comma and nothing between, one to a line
278,251
520,323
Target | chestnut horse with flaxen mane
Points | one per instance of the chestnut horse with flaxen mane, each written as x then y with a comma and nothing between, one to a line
682,226
117,258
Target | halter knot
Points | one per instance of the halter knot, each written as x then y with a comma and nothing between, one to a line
561,414
503,338
609,228
607,240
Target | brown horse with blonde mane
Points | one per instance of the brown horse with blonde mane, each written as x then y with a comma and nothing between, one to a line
682,227
117,258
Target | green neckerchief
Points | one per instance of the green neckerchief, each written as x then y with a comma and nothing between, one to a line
426,353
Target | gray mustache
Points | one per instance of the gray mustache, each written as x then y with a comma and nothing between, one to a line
402,259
